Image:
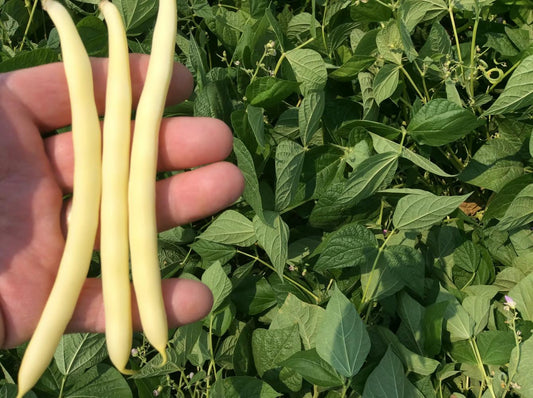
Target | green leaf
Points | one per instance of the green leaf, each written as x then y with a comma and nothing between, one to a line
381,129
370,12
230,228
289,163
99,381
508,278
253,295
218,282
371,175
440,122
256,120
382,145
79,351
500,202
407,42
136,14
212,251
243,386
421,211
258,7
314,369
27,59
350,246
531,144
212,100
520,211
273,236
309,69
458,322
467,256
307,316
302,25
197,60
437,45
387,379
472,5
94,35
414,12
432,327
251,193
274,23
269,91
494,347
221,320
390,44
494,165
273,346
478,308
9,390
412,361
183,342
397,266
386,82
518,93
380,281
243,362
321,164
410,331
351,68
522,294
309,115
342,339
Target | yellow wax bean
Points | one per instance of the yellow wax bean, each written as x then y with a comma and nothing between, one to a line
143,229
74,265
114,244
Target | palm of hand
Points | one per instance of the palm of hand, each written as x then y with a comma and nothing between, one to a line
35,173
31,241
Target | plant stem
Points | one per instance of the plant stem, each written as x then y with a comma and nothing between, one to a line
323,25
32,13
374,265
424,84
486,379
212,363
456,162
404,134
385,4
419,93
344,388
517,339
63,381
298,285
259,63
473,55
456,36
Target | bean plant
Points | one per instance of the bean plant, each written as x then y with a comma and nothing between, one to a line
383,245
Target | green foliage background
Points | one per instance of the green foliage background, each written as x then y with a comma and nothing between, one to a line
387,150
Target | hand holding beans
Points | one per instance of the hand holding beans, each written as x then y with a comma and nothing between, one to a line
36,172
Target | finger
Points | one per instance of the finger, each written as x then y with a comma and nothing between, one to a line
197,194
191,196
186,301
184,142
30,86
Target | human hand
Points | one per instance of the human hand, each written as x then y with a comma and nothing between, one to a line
36,172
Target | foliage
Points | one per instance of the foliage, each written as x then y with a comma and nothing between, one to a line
383,244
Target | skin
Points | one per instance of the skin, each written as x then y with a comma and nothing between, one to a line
36,171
